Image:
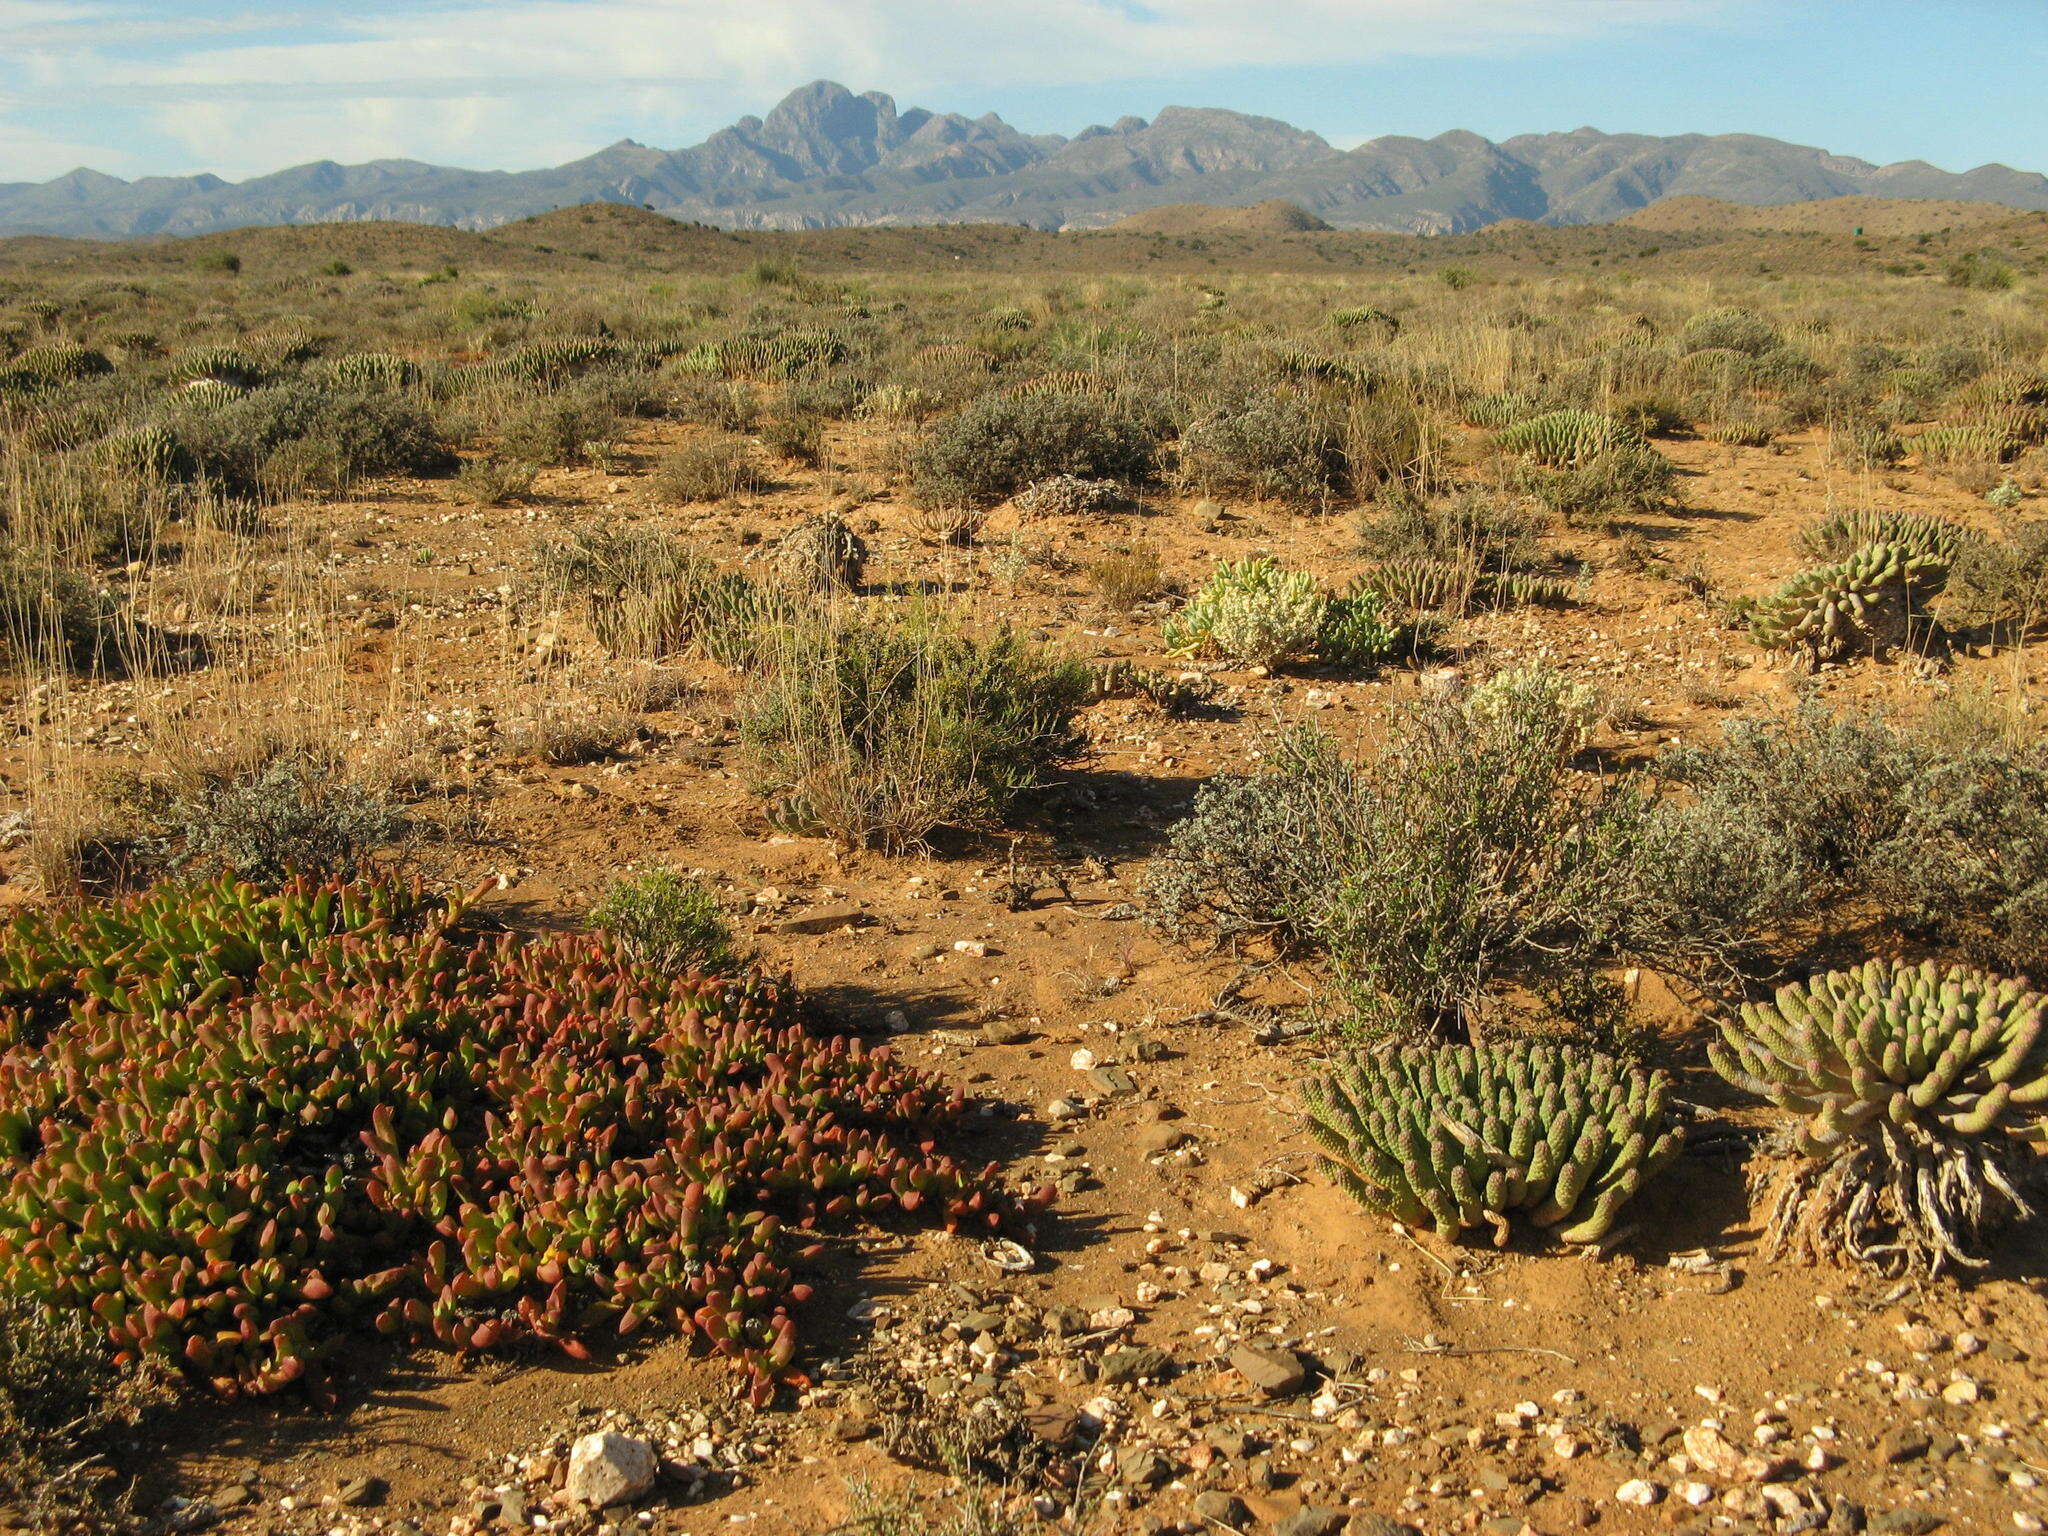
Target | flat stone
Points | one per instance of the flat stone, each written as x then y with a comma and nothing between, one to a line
1122,1367
1906,1522
1162,1137
1142,1467
1367,1522
1220,1507
824,919
1904,1442
1312,1520
1274,1372
362,1492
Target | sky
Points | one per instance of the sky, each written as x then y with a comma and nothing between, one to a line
146,87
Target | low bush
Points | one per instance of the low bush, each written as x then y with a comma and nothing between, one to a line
1275,446
245,1133
1000,444
710,468
570,427
271,813
494,482
881,736
55,616
296,432
666,919
1733,330
1621,482
1468,854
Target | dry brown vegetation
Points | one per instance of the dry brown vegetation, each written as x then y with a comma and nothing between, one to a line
850,600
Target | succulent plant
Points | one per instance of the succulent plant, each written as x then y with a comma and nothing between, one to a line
227,365
821,554
1460,1137
1567,437
1866,602
61,362
370,370
1954,444
1917,1086
1841,534
241,1130
1251,612
1366,317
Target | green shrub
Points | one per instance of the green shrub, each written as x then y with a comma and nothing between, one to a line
241,443
1273,447
1917,1086
1357,634
1468,855
1253,613
567,428
1568,437
882,735
798,438
998,445
667,920
406,1130
1467,1136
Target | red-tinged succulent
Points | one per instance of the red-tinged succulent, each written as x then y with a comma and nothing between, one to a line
238,1128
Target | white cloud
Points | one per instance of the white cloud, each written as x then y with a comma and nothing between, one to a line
526,82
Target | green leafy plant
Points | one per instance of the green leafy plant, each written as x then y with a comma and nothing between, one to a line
668,920
1567,437
1918,1086
1458,1137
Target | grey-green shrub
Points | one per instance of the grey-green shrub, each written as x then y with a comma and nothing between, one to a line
667,919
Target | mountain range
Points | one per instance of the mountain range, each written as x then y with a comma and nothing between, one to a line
826,157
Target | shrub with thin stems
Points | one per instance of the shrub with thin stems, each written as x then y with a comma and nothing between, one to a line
1274,446
714,467
880,735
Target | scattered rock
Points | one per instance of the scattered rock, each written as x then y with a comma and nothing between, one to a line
1906,1522
824,920
1273,1372
609,1468
362,1492
1123,1367
1162,1137
1902,1443
1640,1492
1221,1508
1368,1523
1312,1520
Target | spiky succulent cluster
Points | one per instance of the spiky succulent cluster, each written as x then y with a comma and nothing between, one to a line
1866,602
370,370
1367,317
1465,1136
821,554
778,354
228,365
241,1129
1840,534
61,362
1908,1079
1568,437
1418,584
1954,444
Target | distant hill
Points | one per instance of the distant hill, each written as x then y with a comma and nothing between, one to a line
1275,216
1829,216
828,158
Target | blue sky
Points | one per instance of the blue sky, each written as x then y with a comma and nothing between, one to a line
139,87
